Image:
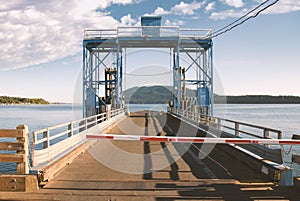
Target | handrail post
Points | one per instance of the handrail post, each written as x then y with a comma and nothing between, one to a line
23,168
47,142
34,138
109,113
237,128
279,135
70,128
267,135
96,119
207,119
218,123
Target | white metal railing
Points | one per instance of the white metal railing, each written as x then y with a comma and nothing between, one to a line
51,143
148,31
104,33
194,33
236,126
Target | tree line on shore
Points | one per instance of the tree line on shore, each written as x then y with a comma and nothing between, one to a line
19,100
163,94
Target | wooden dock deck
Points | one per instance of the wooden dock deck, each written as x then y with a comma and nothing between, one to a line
102,173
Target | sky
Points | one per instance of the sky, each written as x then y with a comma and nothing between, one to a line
41,43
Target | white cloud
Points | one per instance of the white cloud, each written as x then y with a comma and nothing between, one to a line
234,3
34,32
127,20
226,14
180,9
283,6
186,9
106,3
210,6
161,11
174,23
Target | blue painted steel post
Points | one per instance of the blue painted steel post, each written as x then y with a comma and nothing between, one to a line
175,81
199,71
119,76
83,80
179,76
120,90
212,81
176,78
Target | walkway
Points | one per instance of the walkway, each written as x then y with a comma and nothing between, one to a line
155,171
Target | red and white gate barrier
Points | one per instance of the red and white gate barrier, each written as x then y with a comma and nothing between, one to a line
203,140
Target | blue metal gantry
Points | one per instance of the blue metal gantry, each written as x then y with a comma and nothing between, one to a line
103,55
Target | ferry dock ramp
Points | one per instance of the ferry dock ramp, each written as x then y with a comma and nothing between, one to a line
146,170
182,153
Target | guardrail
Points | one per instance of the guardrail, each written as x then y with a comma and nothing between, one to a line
260,157
50,144
15,143
239,128
148,31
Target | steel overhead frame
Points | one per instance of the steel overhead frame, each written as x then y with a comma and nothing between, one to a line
99,45
100,54
200,54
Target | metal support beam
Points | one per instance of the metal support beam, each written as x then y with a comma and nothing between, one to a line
211,82
176,78
119,89
83,79
98,51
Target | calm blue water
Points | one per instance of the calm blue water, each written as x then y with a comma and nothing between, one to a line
278,116
35,117
281,117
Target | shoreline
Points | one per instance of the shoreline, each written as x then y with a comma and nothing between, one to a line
8,104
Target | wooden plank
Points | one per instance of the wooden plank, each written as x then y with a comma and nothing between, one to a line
14,158
11,183
27,183
12,133
19,146
49,172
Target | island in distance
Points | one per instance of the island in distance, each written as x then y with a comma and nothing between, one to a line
163,94
6,100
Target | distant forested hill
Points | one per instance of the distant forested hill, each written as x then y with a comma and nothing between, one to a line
148,95
163,94
18,100
259,99
151,95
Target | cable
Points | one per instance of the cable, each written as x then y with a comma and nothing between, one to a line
216,34
242,16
